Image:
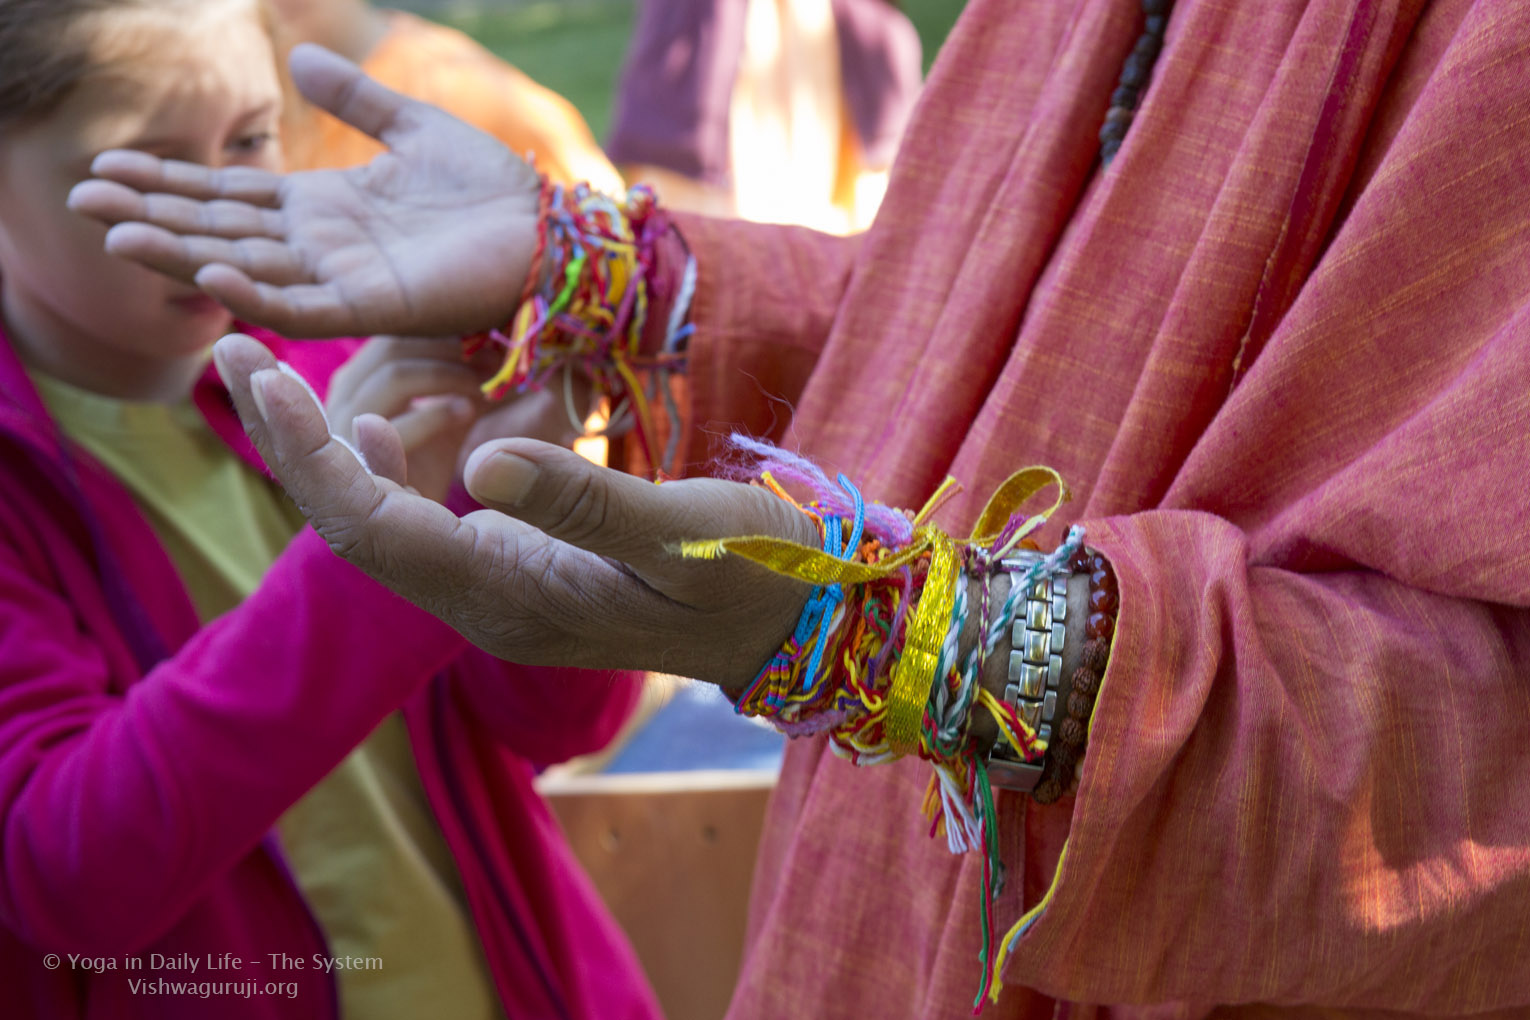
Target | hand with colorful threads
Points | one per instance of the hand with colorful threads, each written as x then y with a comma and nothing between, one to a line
573,564
432,238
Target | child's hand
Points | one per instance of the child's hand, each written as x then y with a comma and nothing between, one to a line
544,415
425,390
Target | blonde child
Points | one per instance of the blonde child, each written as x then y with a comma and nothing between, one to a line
237,779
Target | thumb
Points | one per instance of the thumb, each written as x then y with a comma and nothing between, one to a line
614,514
336,85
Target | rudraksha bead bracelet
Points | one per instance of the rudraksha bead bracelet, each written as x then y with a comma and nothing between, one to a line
1072,734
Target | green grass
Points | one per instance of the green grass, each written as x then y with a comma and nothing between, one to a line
933,20
575,47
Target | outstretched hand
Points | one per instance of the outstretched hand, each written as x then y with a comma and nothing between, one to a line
571,565
432,238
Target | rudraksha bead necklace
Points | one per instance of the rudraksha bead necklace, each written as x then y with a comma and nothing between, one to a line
1134,78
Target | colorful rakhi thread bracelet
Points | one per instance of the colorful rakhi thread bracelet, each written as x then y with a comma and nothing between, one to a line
584,308
883,678
794,689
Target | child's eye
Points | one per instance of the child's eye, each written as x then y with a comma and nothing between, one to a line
254,142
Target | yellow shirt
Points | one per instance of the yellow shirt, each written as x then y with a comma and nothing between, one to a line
363,843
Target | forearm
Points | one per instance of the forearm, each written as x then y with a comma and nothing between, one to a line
1252,723
1274,752
765,300
547,714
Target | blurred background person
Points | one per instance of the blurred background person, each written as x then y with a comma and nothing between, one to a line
446,68
784,111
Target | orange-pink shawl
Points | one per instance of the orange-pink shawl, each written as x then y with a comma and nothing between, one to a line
1307,782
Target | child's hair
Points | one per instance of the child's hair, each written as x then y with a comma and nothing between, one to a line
44,53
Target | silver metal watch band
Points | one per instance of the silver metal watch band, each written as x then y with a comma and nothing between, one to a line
1035,671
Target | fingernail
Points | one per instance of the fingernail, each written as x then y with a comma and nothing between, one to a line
291,373
220,354
504,478
460,408
258,383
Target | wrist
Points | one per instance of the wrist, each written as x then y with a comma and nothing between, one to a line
666,282
994,674
521,254
607,290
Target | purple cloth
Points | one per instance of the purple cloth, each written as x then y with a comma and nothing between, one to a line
671,107
881,62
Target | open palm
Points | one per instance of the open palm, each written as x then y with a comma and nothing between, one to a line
433,237
568,564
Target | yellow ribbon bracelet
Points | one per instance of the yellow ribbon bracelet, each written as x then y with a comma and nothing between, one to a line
914,672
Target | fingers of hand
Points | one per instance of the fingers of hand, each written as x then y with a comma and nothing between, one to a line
299,432
111,202
182,257
380,444
238,357
106,201
258,383
447,419
615,514
332,83
576,502
431,433
221,217
306,310
392,387
326,478
414,546
149,174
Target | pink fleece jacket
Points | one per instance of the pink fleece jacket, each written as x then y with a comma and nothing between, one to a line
144,757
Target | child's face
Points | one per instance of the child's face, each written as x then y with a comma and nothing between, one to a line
199,83
294,9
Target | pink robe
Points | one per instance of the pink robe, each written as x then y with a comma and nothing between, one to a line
1302,787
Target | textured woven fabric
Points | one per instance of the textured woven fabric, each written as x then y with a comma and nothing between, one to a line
1306,783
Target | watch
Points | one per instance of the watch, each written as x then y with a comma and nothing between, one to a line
1034,685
